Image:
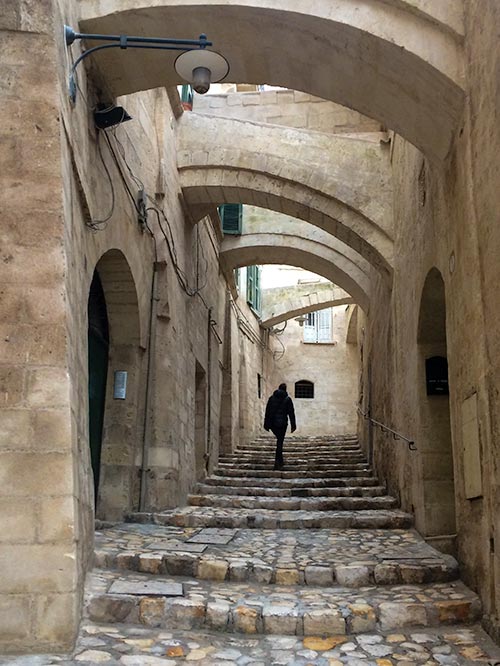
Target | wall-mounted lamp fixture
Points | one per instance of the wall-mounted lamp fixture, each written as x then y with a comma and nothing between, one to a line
301,319
196,65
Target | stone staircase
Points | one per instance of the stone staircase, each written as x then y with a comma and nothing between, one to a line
318,549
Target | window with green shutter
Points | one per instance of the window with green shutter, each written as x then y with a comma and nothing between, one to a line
253,288
187,97
231,216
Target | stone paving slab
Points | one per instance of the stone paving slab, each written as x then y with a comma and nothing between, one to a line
315,557
137,646
290,610
213,536
193,516
150,588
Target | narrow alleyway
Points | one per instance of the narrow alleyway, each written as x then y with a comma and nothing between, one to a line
313,565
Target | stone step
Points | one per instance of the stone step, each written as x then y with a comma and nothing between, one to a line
268,436
293,466
281,610
294,459
347,491
285,474
351,558
294,448
292,483
193,516
293,504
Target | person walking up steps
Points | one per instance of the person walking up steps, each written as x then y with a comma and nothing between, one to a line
278,409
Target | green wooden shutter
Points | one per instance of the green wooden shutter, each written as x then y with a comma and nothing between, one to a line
187,96
231,217
253,288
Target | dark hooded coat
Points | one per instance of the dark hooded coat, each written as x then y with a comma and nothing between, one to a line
278,409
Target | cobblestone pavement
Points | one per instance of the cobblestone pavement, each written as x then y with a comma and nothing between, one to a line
137,646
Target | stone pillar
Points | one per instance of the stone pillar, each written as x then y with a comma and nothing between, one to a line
39,597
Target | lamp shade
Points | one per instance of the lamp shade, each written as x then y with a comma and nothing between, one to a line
189,61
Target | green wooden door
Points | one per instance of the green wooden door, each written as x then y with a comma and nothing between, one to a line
98,351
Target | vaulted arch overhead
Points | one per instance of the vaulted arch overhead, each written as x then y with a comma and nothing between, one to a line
300,306
393,60
340,185
251,249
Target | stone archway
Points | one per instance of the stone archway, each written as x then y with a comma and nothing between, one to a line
436,516
117,480
342,186
324,260
407,56
302,305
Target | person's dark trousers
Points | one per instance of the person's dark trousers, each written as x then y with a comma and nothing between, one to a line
280,437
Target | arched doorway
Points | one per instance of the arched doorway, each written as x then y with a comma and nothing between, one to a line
436,518
98,353
115,383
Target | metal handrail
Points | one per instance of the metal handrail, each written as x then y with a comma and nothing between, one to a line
384,428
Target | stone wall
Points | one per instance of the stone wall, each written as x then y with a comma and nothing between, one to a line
289,108
55,197
445,235
332,367
39,496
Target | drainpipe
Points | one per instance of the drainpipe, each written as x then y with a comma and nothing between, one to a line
208,441
146,430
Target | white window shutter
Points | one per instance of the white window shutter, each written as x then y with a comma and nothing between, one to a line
325,325
309,333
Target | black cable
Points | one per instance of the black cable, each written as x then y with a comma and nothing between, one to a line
122,176
100,225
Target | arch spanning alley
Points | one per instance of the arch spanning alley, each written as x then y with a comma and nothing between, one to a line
301,305
406,57
251,249
341,185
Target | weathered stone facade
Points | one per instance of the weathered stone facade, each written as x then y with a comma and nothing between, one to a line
406,226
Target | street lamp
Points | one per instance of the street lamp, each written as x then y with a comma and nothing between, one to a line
196,64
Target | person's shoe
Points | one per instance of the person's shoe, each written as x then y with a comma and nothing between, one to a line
278,467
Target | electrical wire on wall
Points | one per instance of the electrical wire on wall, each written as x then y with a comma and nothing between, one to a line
163,222
278,354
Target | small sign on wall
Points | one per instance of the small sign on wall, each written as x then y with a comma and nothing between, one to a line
120,385
436,375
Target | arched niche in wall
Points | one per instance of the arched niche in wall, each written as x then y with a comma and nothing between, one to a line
114,372
436,516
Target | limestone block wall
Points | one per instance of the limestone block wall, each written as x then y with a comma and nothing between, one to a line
55,196
332,367
446,213
252,367
289,108
39,558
